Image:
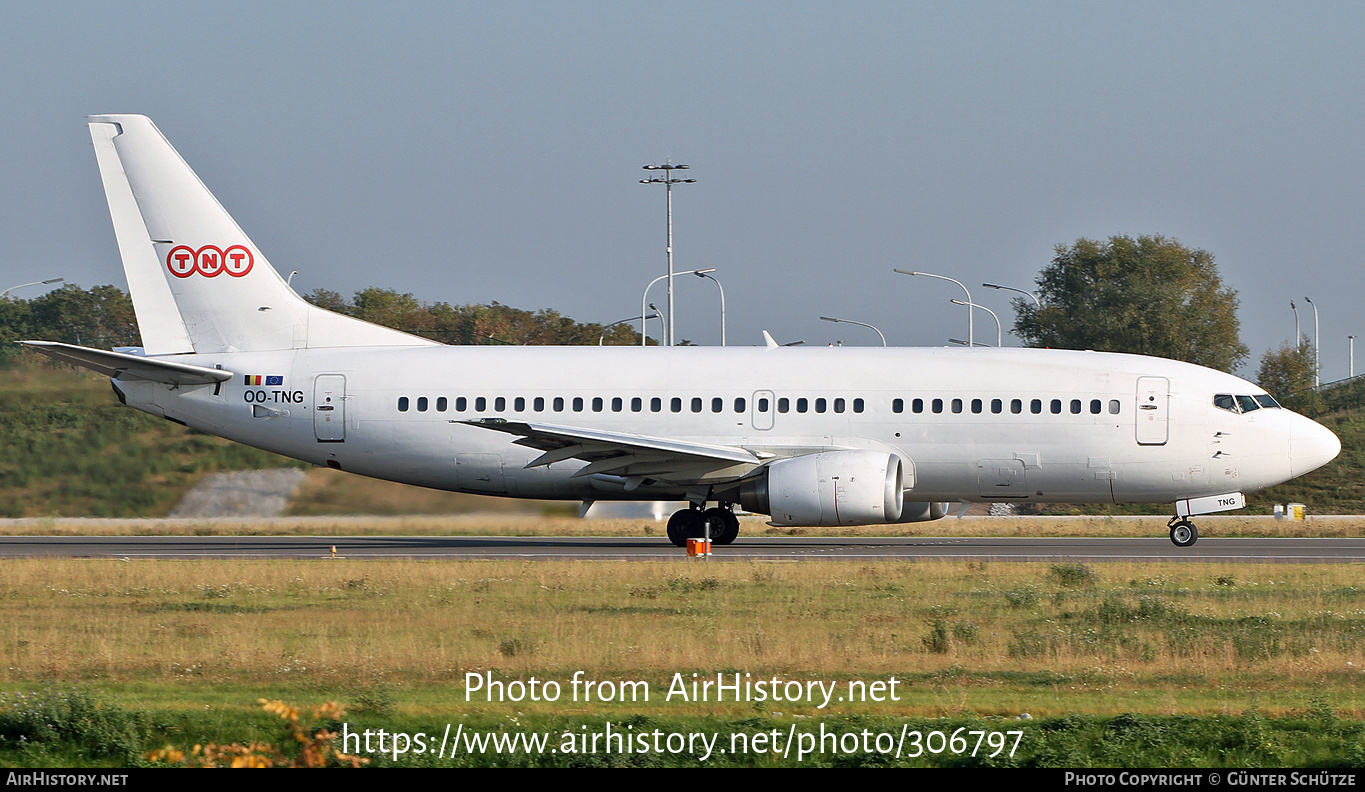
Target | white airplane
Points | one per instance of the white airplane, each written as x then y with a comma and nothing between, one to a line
812,436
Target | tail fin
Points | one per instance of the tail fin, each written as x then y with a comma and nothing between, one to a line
198,283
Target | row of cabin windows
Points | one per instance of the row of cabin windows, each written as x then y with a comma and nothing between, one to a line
997,406
637,404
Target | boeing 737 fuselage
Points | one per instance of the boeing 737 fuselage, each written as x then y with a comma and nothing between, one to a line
809,436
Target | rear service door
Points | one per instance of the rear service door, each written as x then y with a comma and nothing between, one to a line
329,408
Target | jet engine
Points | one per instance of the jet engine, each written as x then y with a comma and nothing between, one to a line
828,488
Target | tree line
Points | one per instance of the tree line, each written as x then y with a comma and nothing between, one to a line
1148,295
102,317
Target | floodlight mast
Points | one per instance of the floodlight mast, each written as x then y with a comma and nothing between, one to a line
668,181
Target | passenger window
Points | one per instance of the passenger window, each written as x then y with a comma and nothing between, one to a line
937,406
578,404
857,405
656,404
783,404
717,404
519,404
559,404
499,404
441,404
976,405
1113,406
801,405
1056,406
741,405
421,404
957,405
838,405
539,404
696,404
1016,406
616,404
762,405
1036,406
917,405
402,404
997,406
636,404
675,404
898,405
819,405
1095,406
1075,406
480,404
597,404
461,404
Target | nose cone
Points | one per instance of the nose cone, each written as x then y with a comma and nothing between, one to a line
1311,446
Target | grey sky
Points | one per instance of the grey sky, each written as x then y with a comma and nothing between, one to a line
491,151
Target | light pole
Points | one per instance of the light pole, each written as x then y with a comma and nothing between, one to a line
605,328
971,336
663,322
860,324
1351,343
1028,294
703,274
668,325
668,181
1298,339
4,295
1317,353
999,335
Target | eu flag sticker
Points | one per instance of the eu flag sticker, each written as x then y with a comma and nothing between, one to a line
274,380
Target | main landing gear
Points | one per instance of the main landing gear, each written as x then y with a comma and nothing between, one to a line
1183,532
691,523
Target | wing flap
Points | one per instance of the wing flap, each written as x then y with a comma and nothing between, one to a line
121,365
622,453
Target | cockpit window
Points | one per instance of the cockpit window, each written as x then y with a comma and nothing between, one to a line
1266,400
1225,401
1248,403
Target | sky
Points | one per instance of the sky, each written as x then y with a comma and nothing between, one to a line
491,151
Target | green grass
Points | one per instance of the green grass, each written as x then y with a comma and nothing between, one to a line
68,448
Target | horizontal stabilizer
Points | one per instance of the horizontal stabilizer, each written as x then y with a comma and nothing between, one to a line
120,365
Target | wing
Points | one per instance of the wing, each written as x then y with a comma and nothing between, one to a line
636,457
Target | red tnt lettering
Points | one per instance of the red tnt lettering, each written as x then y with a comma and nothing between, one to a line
209,261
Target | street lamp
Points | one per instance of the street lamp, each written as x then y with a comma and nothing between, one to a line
1351,342
668,325
971,335
605,328
668,181
1298,339
1028,294
1317,353
860,324
4,295
999,335
703,274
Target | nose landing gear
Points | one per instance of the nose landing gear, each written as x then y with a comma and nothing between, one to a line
1183,532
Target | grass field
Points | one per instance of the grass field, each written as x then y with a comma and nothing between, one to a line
191,646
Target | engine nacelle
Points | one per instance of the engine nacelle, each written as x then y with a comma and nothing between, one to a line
923,512
829,488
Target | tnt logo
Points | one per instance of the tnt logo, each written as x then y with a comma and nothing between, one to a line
209,261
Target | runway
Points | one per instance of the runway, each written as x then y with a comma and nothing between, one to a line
762,549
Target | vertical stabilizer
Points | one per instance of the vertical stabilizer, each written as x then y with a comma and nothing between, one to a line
197,282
